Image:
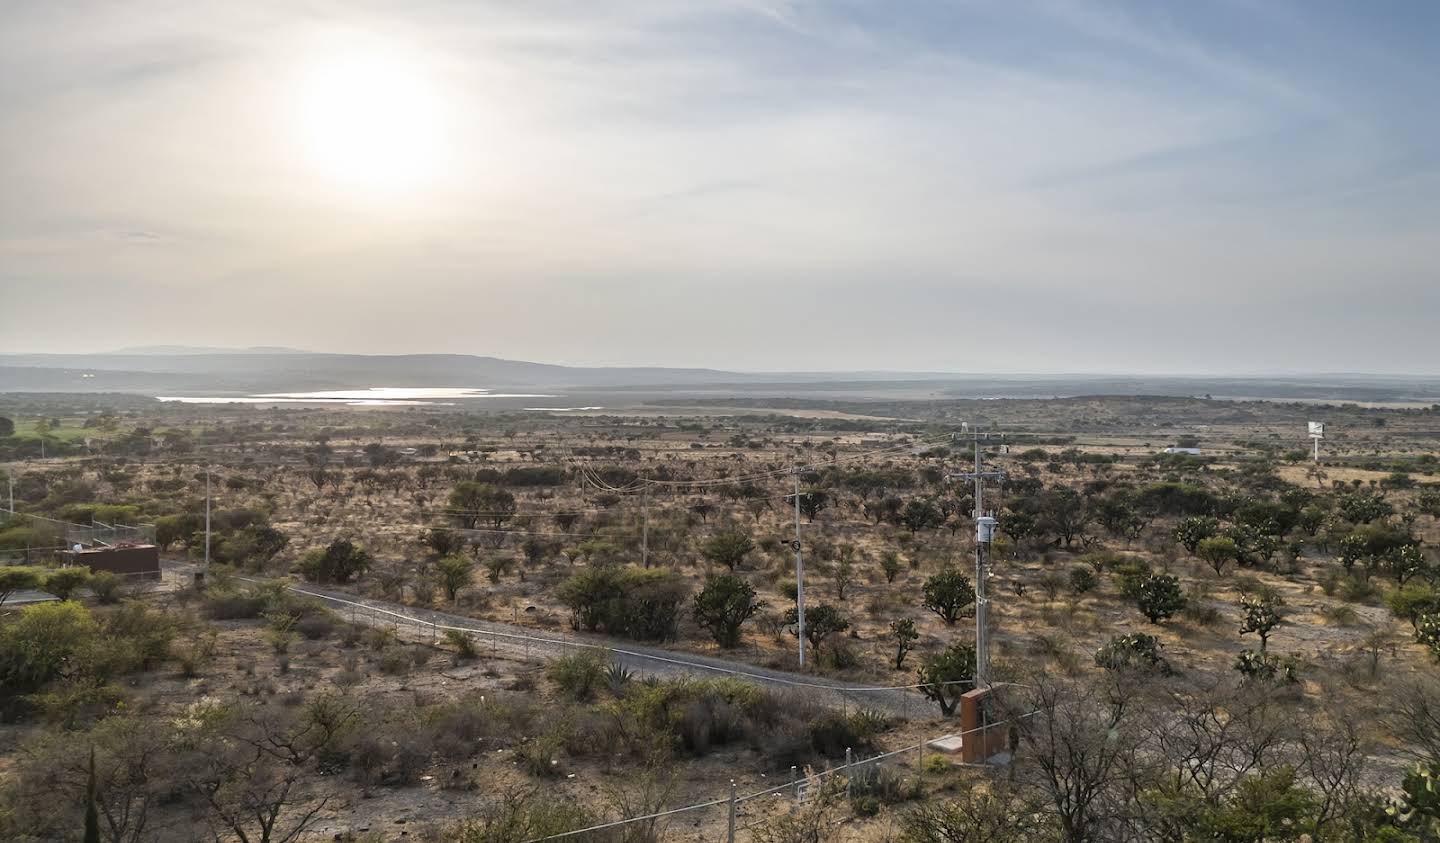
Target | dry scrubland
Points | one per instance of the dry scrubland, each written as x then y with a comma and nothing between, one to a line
1122,582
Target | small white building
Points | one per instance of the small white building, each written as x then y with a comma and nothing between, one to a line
1194,452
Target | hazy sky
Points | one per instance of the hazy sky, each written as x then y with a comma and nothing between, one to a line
1190,187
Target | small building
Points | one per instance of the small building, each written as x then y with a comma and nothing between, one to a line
133,559
1194,452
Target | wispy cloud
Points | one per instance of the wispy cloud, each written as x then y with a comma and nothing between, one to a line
623,168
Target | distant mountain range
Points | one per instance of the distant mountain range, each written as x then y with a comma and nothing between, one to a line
195,349
183,370
146,370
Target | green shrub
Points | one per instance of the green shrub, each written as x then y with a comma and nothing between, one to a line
64,582
638,603
149,631
464,645
1158,597
15,578
579,675
1136,650
873,785
518,817
44,640
394,661
540,756
341,561
194,652
105,586
232,602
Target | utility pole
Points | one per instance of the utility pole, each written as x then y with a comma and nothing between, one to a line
799,572
207,517
984,532
645,528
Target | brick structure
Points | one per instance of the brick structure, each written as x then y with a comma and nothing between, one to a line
982,740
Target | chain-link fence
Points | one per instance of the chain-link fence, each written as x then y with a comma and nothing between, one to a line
67,534
31,555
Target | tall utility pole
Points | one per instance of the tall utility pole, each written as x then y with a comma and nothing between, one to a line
645,528
207,517
799,572
984,532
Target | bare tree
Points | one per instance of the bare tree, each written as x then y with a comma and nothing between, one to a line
1077,751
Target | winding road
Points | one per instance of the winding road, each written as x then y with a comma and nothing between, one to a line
652,661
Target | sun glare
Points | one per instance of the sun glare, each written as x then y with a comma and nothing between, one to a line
374,120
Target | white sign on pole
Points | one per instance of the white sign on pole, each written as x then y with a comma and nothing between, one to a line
1317,429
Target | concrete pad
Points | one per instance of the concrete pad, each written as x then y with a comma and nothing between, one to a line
947,744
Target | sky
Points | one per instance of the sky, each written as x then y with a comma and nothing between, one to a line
1234,186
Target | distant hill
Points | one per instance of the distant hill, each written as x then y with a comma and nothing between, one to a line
181,370
194,349
154,369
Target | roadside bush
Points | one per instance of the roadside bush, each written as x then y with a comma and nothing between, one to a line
464,645
723,605
519,816
634,602
105,585
831,733
15,578
578,676
232,602
64,582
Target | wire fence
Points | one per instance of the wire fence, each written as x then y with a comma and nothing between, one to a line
890,776
893,775
94,534
30,555
902,701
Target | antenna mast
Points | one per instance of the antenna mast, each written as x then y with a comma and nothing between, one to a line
984,533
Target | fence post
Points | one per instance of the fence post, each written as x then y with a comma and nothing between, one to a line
795,784
848,777
730,837
920,766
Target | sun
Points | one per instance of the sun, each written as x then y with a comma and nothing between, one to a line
372,119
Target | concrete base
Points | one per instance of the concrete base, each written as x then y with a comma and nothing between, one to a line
948,744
